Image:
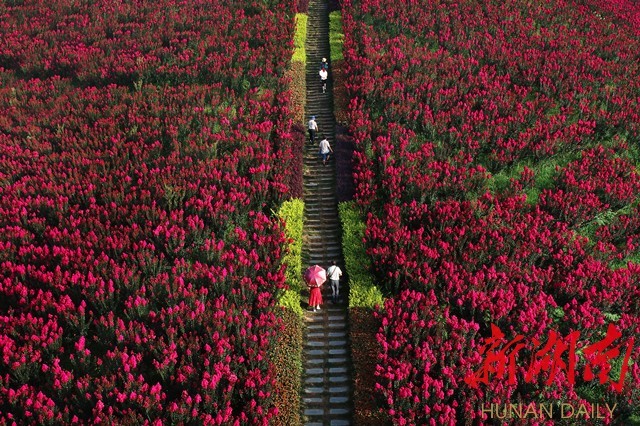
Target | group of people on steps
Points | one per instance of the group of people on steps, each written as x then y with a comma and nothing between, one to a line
324,148
334,272
315,295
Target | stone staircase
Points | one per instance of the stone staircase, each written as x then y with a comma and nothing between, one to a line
327,381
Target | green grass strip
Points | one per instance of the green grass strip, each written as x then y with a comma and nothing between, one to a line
363,292
336,36
300,38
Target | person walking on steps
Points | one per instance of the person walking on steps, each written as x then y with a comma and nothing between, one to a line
323,79
324,65
325,149
334,273
315,297
313,129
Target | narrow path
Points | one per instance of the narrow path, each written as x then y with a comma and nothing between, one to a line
327,385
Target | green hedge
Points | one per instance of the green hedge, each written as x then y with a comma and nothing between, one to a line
287,354
364,297
287,363
336,36
297,72
292,212
363,292
298,87
300,38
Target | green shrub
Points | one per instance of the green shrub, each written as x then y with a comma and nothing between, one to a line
291,300
364,297
300,38
292,212
336,36
362,290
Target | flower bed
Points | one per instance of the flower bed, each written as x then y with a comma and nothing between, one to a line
496,163
171,42
142,148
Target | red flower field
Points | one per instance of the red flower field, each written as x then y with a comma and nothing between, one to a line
139,262
497,152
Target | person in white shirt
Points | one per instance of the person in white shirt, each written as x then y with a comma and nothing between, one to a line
323,79
334,273
313,129
325,149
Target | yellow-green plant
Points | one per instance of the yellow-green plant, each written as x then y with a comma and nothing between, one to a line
292,212
336,36
363,292
300,38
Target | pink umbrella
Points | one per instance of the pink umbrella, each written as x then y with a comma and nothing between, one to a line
315,275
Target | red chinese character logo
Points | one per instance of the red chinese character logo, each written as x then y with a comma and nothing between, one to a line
496,360
548,358
598,356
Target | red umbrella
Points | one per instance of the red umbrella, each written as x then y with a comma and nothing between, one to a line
315,275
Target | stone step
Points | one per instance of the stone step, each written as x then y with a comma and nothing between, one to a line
316,205
321,260
321,200
314,166
319,178
318,181
319,191
321,197
320,238
316,238
322,226
325,243
321,213
321,210
325,126
317,216
319,220
314,219
328,254
324,206
314,94
315,189
321,203
319,174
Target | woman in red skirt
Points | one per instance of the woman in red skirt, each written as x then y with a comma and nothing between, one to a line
315,297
